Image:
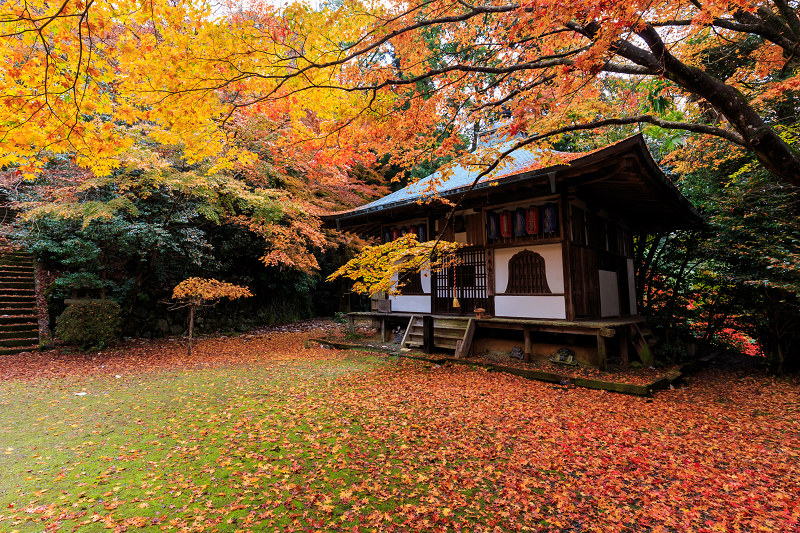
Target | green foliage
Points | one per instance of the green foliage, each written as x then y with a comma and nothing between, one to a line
736,283
95,323
171,229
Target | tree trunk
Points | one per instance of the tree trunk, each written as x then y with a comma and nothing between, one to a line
191,329
772,152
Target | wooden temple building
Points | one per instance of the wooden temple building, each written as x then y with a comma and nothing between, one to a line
548,262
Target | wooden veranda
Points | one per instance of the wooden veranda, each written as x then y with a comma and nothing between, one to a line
457,333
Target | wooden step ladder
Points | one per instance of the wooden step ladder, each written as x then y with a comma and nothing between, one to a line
19,320
450,333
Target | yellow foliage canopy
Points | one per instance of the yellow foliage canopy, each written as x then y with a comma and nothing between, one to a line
200,291
379,268
86,78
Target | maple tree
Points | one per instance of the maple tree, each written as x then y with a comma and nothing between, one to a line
96,113
87,78
380,268
197,292
340,81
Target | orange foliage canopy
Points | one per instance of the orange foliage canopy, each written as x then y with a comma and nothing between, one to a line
323,91
335,86
199,291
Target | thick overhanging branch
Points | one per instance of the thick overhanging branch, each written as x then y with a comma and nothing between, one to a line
772,152
705,129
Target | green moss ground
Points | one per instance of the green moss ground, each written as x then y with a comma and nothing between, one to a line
194,447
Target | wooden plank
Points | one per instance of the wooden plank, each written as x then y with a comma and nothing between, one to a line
450,344
641,346
517,242
516,202
454,322
475,229
572,330
625,388
408,330
466,342
613,322
596,324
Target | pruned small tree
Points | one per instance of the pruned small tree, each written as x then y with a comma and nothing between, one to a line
201,292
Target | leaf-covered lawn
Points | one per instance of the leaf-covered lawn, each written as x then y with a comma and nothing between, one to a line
263,434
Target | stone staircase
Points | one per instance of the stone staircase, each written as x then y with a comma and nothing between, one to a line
451,333
19,322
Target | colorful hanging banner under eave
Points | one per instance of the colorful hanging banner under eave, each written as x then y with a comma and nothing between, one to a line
520,223
549,218
492,226
506,228
532,220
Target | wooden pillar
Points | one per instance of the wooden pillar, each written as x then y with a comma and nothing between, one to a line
383,330
427,334
624,335
490,276
351,324
528,345
566,255
601,351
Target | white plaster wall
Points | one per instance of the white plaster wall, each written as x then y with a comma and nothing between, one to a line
426,280
632,287
411,303
553,266
609,293
530,306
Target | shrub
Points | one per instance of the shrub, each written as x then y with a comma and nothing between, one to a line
90,324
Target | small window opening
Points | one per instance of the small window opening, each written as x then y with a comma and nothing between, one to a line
526,274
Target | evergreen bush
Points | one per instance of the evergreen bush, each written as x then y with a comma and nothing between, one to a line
93,323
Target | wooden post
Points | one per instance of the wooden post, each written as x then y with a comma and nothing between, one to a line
427,334
351,324
601,351
528,345
566,255
383,329
624,335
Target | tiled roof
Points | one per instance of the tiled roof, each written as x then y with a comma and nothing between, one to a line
460,176
645,194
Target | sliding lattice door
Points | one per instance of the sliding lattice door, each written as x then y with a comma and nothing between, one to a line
465,281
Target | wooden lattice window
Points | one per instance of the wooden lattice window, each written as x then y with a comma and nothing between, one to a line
526,274
412,280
